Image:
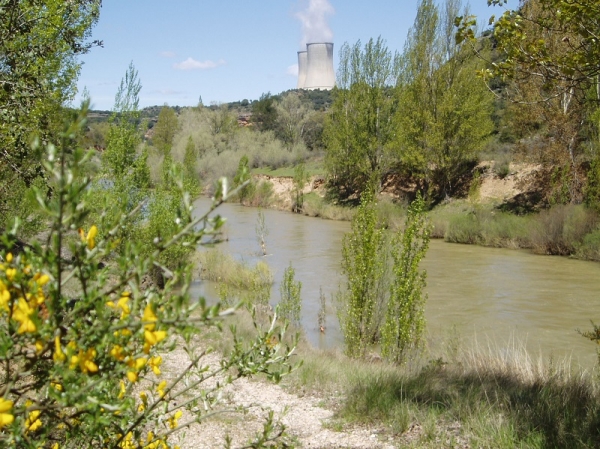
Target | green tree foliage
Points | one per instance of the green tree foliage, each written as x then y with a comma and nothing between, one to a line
164,130
241,176
190,167
300,179
141,172
553,40
264,113
404,316
39,44
123,137
290,305
83,338
292,117
549,59
360,126
446,112
363,263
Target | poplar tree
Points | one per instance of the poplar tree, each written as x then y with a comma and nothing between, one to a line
164,130
360,128
446,111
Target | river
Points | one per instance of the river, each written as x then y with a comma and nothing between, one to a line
496,297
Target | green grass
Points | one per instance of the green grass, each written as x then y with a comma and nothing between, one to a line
496,398
316,206
567,230
313,168
215,265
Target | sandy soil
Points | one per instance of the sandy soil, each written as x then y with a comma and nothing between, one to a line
519,179
305,419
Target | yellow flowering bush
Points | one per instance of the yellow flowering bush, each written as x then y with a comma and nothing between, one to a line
82,336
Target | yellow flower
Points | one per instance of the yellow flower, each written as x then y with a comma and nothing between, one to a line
9,257
90,238
173,419
144,403
123,332
155,363
122,390
122,303
56,386
6,417
149,317
132,376
118,353
59,355
85,360
11,273
161,388
4,296
55,446
21,313
32,423
128,442
41,279
153,337
39,346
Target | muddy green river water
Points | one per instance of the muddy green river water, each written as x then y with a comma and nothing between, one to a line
492,297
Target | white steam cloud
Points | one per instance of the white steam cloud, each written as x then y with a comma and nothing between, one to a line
314,21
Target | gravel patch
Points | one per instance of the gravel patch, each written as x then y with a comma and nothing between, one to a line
250,401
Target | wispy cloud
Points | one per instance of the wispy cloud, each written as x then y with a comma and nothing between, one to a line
192,64
292,70
168,92
168,54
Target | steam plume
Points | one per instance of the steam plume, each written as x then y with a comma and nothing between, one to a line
314,21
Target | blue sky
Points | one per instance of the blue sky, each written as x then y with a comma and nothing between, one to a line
230,50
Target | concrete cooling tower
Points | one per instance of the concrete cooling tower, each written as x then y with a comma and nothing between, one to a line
302,63
318,73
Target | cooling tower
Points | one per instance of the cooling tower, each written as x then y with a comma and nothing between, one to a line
319,67
302,62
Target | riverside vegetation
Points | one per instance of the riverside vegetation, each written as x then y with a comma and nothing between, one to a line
88,306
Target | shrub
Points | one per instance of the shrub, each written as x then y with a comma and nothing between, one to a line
464,228
290,305
404,316
559,230
363,263
81,366
589,248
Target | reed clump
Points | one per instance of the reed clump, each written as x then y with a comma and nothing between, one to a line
316,206
215,265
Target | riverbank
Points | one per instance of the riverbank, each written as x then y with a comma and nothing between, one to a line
456,393
500,211
450,397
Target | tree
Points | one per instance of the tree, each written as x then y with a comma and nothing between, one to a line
164,130
123,138
39,44
446,111
549,56
363,263
292,115
359,128
404,316
300,179
264,113
190,164
552,40
290,305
